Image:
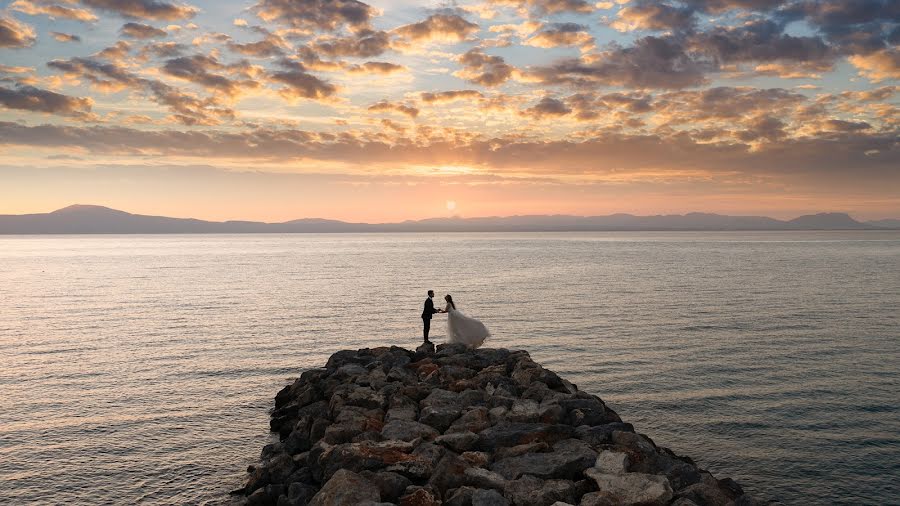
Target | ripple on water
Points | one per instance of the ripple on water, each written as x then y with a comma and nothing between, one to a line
141,369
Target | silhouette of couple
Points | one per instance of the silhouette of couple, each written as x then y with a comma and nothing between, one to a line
461,329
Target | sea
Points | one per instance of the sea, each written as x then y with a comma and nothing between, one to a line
140,369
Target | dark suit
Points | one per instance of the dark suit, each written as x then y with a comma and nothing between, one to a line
427,311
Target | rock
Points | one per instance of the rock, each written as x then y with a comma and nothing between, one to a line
567,461
531,491
346,488
386,426
420,497
482,478
357,457
299,494
440,409
486,497
459,442
707,492
611,462
514,434
600,434
406,430
425,349
401,413
477,459
461,496
515,451
475,420
390,485
628,489
449,473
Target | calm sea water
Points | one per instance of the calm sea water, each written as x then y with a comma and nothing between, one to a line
139,369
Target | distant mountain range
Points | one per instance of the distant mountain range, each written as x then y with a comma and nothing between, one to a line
82,219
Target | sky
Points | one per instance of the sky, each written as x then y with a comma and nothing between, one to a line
391,110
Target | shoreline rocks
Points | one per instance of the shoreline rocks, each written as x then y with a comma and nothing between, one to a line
460,427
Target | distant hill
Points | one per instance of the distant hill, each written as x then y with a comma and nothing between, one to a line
894,224
84,219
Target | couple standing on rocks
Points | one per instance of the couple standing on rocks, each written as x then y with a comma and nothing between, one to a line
461,329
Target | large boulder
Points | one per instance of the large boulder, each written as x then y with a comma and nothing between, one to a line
567,460
346,488
514,434
628,489
531,491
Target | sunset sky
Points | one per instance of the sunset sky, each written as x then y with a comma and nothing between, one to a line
391,110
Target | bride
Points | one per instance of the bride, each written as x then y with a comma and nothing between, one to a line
463,329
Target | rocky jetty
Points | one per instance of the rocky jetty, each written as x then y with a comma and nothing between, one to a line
459,427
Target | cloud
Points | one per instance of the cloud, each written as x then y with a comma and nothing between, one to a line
141,31
878,66
29,98
376,67
542,7
562,34
65,37
15,34
720,6
437,27
158,10
652,62
450,96
301,84
760,40
385,105
110,76
314,15
272,45
164,49
548,107
200,69
831,155
653,15
53,10
363,44
484,69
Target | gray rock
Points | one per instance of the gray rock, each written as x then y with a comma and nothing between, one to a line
600,434
346,488
567,461
440,409
425,349
401,413
610,462
487,497
299,494
514,434
459,442
390,485
482,478
531,491
406,430
707,492
449,473
628,489
473,420
461,496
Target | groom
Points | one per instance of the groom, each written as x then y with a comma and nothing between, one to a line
426,314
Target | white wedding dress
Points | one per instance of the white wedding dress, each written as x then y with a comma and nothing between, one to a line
465,330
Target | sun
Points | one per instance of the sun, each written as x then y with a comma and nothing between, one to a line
451,205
